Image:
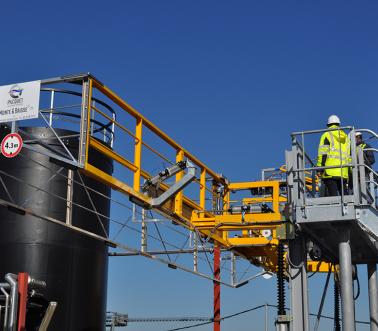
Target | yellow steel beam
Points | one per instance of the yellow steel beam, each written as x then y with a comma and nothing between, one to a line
113,182
252,241
111,154
249,218
248,201
226,206
236,226
249,185
318,266
203,191
138,154
179,195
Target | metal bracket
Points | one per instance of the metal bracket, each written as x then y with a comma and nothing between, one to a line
163,175
175,188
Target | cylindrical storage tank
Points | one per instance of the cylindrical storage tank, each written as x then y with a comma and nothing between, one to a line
73,265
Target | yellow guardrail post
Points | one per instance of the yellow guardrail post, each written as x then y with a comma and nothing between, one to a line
138,154
226,205
276,196
179,196
203,191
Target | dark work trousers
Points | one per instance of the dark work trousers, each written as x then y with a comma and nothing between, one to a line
333,186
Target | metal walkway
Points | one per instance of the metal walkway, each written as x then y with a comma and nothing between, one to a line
344,229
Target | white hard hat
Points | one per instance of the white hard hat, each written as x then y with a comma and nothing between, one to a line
333,119
358,133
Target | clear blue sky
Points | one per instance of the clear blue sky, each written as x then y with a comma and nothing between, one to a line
227,79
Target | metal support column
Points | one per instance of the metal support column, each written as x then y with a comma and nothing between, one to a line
346,282
144,234
298,285
195,252
233,268
84,123
217,289
69,204
373,296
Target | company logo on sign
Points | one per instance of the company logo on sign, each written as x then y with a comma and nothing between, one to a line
15,92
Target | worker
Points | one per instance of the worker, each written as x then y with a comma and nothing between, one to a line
334,150
369,158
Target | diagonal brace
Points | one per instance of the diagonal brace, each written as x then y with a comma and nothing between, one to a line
178,186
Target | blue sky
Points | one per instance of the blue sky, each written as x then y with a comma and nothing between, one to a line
228,80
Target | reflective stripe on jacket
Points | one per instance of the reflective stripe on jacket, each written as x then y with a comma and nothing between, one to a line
334,150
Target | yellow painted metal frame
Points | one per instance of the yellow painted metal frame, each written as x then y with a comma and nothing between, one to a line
185,211
183,206
250,221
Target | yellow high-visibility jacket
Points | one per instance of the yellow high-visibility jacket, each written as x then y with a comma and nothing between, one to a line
334,150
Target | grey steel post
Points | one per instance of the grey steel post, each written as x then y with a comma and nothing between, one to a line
373,296
356,190
195,254
298,285
361,170
282,327
51,107
233,268
372,188
144,234
112,132
6,307
13,127
346,281
12,318
85,105
70,177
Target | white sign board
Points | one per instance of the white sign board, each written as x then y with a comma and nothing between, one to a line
19,101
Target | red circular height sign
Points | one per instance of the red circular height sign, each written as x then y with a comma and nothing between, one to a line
11,145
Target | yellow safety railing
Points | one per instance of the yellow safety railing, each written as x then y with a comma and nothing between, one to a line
182,207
